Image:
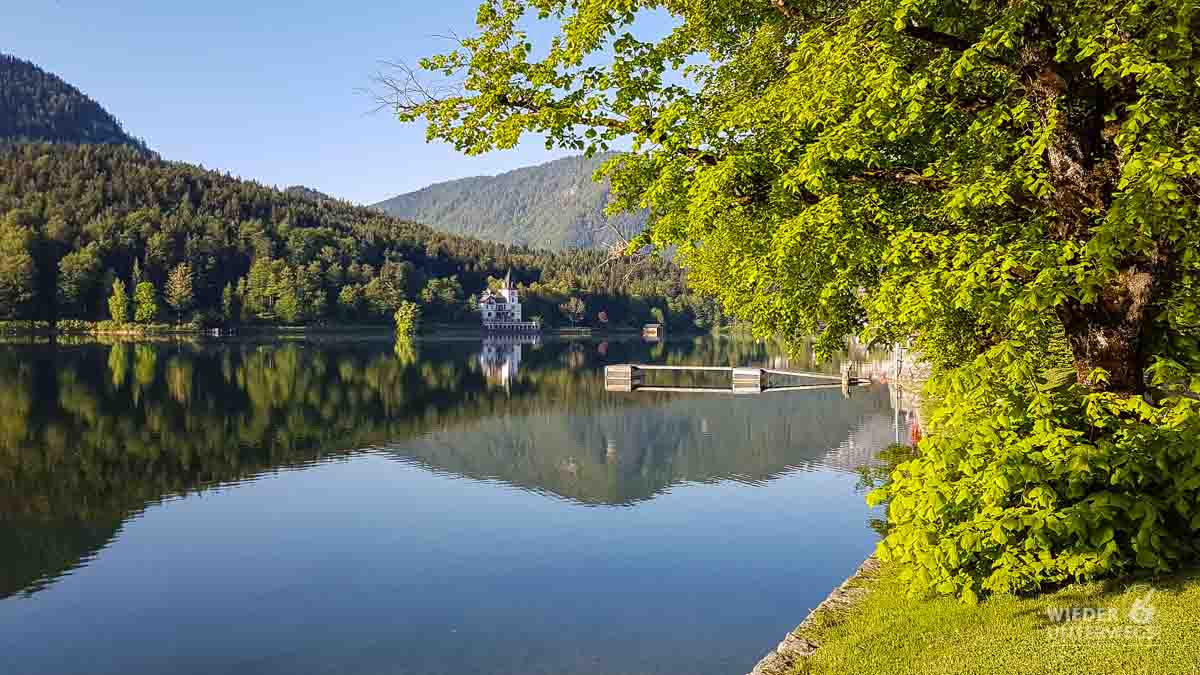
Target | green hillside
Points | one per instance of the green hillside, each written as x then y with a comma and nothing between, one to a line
75,220
39,106
93,227
555,205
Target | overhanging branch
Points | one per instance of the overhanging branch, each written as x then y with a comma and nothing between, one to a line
952,43
897,177
938,38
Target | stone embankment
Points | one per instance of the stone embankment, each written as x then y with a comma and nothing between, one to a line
796,646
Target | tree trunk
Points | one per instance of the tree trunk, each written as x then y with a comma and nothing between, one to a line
1083,163
1111,333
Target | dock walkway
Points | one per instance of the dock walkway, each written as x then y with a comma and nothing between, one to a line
631,377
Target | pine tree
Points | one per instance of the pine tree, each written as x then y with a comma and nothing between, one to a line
287,307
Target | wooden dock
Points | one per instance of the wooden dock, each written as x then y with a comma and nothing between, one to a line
631,377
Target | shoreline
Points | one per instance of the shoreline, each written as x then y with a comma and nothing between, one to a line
909,375
797,645
103,329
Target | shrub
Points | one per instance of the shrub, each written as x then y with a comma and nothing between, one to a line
1018,487
19,327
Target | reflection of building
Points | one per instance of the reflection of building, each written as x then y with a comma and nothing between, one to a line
500,310
501,357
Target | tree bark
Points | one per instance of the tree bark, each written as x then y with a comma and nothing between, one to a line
1111,334
1083,165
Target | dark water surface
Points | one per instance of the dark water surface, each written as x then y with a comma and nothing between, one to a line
457,508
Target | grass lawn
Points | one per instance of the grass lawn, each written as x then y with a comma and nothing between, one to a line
886,632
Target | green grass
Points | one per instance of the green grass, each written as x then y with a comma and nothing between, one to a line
886,632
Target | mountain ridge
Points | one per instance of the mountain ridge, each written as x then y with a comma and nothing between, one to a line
555,205
39,106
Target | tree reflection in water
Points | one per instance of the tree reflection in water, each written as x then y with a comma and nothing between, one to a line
90,435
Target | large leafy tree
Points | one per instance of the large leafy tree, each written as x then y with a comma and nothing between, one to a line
179,293
118,302
17,270
78,277
1014,185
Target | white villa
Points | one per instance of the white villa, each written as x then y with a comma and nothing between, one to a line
500,310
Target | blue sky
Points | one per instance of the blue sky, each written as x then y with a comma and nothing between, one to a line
262,89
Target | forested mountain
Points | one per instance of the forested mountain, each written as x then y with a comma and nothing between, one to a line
97,231
39,106
555,205
306,192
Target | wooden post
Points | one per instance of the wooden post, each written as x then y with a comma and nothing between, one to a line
847,368
847,373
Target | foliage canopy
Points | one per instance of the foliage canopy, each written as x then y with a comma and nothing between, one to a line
1013,186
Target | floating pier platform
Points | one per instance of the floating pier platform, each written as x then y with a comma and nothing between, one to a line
632,377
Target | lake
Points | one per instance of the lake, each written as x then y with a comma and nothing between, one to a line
347,506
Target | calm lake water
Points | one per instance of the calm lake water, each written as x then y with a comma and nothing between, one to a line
453,507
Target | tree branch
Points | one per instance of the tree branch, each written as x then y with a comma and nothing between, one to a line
898,177
952,43
706,158
783,8
405,92
594,121
943,40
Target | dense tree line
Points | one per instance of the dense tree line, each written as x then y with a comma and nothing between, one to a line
39,106
185,243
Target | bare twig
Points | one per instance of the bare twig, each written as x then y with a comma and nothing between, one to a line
404,90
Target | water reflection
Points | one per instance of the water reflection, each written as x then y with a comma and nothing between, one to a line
500,356
90,435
